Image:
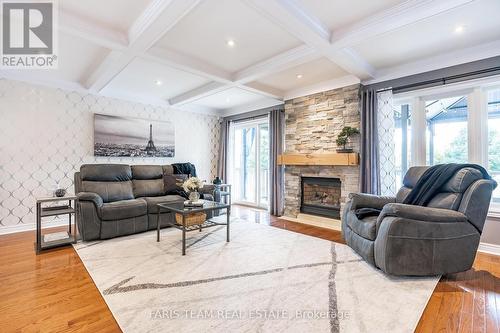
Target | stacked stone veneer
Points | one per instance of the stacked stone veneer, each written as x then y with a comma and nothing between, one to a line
312,125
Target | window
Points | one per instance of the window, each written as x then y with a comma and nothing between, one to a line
249,162
450,124
494,139
446,132
402,140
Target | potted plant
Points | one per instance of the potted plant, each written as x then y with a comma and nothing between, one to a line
192,186
343,138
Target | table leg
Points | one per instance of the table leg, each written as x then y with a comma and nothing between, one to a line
227,221
69,217
38,227
183,235
158,226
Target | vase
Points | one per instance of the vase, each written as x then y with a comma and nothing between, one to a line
60,192
194,196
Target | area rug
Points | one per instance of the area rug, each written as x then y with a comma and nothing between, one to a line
265,280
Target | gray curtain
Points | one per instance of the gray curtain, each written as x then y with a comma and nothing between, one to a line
223,150
369,168
276,172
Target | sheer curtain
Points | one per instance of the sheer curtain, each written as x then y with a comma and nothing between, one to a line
386,146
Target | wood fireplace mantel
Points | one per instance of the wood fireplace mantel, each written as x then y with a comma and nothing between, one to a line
330,159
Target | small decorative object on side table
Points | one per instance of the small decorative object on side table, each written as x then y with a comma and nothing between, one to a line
57,239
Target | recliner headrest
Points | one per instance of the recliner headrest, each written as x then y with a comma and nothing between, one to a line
144,172
106,172
413,175
462,180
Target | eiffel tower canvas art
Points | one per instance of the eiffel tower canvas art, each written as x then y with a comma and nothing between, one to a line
131,137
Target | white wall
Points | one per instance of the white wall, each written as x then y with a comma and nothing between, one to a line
46,134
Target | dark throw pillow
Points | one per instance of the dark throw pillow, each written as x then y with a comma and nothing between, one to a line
173,184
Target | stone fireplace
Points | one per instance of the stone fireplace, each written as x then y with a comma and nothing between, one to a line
312,125
320,196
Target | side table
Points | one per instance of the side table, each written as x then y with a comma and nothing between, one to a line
66,207
223,193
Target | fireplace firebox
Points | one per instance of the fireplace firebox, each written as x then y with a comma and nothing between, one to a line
321,196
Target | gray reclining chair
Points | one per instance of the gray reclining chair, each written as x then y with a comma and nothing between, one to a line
440,238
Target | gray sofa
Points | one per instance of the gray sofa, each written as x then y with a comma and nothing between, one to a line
414,240
116,199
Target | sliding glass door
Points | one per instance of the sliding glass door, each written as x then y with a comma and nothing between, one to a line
249,162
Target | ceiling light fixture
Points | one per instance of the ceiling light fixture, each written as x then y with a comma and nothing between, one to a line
459,29
299,76
228,100
230,43
158,82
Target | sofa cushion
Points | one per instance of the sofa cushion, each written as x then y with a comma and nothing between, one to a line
109,191
152,202
168,169
124,209
147,171
148,187
105,172
366,228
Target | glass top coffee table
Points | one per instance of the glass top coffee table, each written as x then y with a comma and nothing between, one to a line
179,208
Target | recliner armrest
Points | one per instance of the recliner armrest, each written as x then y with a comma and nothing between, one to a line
90,196
363,200
421,213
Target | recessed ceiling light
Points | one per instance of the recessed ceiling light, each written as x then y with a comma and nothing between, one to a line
299,76
459,29
228,100
158,82
230,43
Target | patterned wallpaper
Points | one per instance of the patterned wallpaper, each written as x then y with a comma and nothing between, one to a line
387,149
47,133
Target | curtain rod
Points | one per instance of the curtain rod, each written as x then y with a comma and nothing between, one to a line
441,81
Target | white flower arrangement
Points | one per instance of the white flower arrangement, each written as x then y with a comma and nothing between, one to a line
192,184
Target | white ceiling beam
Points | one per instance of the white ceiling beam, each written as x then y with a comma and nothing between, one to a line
295,19
263,89
294,57
106,70
463,56
156,20
159,17
187,63
391,19
105,37
197,93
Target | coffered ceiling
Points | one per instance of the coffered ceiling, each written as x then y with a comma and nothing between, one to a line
226,56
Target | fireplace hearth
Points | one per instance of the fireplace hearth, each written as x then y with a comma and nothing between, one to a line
321,196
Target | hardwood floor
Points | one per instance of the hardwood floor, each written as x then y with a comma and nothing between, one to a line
53,292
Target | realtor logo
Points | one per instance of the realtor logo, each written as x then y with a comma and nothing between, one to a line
28,34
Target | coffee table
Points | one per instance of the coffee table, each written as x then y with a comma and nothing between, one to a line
178,207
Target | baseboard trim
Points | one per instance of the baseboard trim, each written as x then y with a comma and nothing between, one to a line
12,229
489,248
